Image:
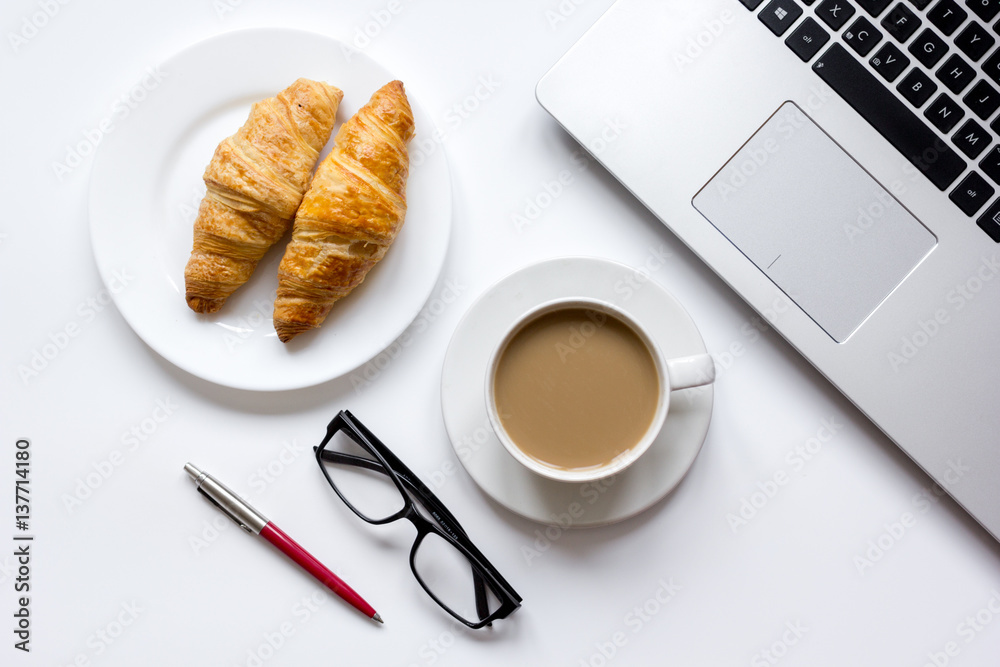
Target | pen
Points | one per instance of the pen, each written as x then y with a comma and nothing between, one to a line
256,523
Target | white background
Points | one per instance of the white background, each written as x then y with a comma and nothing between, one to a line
143,571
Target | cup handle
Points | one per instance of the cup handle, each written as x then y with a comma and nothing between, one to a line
693,371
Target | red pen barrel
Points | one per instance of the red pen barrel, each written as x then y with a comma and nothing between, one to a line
294,550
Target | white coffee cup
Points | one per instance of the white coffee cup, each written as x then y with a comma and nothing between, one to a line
673,374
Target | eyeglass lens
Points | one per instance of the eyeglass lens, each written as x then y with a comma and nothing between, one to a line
446,573
369,490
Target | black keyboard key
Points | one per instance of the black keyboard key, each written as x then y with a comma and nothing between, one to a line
889,61
983,99
990,164
874,7
806,40
995,125
835,13
974,41
862,36
972,193
889,116
751,4
928,48
971,139
779,15
947,16
920,4
989,221
955,74
916,87
901,22
944,113
991,67
984,9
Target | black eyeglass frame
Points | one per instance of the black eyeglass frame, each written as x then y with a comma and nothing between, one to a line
447,526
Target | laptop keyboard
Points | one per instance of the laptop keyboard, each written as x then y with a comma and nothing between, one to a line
923,73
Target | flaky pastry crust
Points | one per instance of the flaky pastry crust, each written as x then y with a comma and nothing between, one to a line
351,213
255,183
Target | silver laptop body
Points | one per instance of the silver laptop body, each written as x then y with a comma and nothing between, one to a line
867,260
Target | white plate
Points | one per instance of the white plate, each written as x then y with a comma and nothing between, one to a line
463,401
144,194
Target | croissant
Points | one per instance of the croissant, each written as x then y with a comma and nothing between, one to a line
350,214
255,183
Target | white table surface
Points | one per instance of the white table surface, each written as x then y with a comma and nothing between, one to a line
142,571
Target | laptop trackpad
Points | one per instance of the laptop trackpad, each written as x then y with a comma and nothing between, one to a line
816,223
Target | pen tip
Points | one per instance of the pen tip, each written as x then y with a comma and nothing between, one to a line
191,470
378,618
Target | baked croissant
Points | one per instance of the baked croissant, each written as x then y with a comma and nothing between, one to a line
255,182
352,211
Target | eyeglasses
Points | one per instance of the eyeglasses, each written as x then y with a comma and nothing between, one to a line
380,489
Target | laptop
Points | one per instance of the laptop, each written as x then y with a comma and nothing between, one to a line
837,163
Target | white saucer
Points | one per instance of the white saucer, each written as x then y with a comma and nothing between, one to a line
146,185
463,401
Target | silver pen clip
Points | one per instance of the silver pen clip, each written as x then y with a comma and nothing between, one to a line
230,504
225,510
